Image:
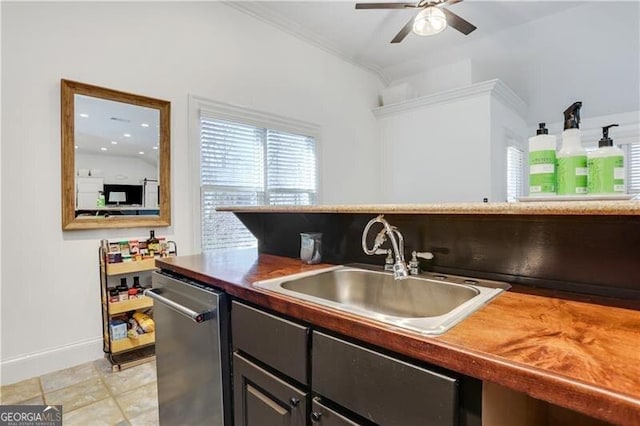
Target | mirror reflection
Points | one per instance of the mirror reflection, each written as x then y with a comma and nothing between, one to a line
115,158
116,151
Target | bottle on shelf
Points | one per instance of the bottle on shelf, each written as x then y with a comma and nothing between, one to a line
123,289
153,244
114,295
606,166
101,200
137,286
542,163
572,157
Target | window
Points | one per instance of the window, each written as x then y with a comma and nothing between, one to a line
245,163
515,173
633,168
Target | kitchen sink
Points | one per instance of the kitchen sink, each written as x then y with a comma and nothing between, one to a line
426,303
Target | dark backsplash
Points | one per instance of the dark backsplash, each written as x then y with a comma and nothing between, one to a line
597,255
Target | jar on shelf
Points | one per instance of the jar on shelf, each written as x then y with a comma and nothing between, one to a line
133,293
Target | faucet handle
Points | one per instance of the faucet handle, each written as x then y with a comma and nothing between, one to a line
427,255
388,262
414,264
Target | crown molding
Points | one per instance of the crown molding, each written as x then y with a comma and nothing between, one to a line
502,92
509,98
268,16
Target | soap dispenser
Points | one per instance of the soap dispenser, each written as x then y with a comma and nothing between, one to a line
572,157
542,163
606,166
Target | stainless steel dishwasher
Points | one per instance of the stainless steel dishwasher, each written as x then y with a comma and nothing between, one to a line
192,351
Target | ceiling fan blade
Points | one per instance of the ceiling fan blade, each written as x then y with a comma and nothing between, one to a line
385,5
460,24
404,31
448,2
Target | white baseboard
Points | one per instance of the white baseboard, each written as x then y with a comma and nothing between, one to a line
35,364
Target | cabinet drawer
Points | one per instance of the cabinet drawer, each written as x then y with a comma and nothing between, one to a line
263,399
322,415
277,342
382,389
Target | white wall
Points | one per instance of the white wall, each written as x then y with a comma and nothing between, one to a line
437,153
117,169
0,187
508,128
450,146
440,78
50,291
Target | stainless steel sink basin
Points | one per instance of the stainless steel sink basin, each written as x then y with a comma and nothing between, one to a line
426,303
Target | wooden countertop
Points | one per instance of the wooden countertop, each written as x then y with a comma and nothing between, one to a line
569,208
578,355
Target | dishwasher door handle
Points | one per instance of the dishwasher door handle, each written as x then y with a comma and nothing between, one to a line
197,317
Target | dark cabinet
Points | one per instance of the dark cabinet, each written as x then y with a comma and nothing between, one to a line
321,415
262,399
274,341
279,365
380,388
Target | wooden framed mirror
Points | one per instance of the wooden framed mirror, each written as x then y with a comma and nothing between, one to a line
115,158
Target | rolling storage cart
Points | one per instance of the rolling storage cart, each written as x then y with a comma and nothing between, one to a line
122,347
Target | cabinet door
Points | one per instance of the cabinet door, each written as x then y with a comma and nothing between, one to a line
384,390
87,200
322,415
262,399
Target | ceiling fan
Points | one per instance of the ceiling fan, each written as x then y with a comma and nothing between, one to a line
432,19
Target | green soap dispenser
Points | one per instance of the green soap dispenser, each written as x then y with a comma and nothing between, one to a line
100,202
572,157
542,163
606,167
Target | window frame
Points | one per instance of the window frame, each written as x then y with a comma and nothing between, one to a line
241,114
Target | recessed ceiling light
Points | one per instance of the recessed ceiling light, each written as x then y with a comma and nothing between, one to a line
114,143
83,115
141,152
155,147
76,146
127,135
103,149
145,125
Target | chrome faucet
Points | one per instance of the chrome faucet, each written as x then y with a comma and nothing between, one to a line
400,270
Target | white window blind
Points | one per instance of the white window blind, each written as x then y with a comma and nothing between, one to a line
291,168
633,169
244,164
515,173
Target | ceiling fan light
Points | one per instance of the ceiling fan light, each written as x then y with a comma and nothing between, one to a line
430,21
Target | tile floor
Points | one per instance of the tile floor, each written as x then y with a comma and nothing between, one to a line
91,394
